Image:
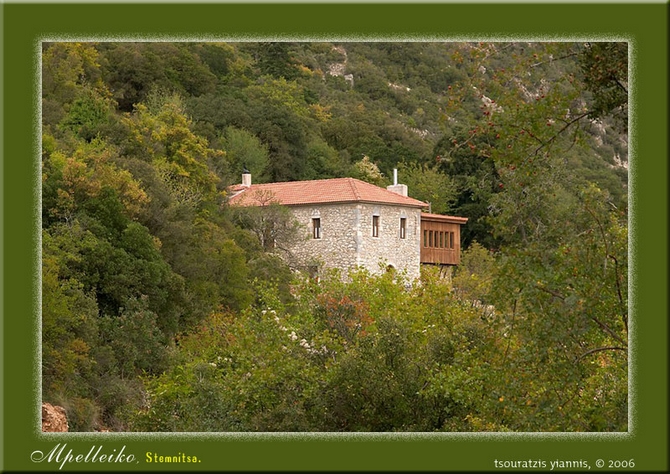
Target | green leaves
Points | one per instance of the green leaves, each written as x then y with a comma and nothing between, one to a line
132,70
141,140
71,80
567,307
164,138
244,151
138,344
429,184
326,362
604,67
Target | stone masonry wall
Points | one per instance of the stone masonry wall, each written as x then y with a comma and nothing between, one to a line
337,246
347,242
376,253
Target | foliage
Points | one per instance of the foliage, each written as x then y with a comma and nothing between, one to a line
165,310
274,225
428,184
367,171
71,76
473,278
605,70
274,59
566,311
335,360
163,136
69,326
132,70
339,360
245,151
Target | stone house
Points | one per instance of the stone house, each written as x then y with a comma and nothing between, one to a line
348,223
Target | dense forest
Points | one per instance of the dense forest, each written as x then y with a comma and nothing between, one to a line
162,310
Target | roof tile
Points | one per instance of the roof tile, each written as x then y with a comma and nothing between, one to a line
321,191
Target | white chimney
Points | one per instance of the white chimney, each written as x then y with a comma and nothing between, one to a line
246,179
395,187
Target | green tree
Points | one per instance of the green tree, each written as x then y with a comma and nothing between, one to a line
473,278
71,76
604,67
324,161
215,269
429,184
463,156
274,59
132,70
543,212
245,151
69,327
281,119
89,115
72,181
138,345
219,57
368,171
163,136
273,224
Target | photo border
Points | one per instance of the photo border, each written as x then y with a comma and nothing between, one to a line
362,451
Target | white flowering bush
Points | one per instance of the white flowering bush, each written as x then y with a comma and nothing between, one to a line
365,354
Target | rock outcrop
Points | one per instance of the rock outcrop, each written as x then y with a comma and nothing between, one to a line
53,418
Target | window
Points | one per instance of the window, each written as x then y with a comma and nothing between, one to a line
451,240
425,238
375,226
316,228
441,240
403,227
430,238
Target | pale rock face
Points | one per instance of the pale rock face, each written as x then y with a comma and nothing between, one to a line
53,419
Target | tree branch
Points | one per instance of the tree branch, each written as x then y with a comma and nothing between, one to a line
618,83
569,55
601,349
624,312
553,293
564,128
608,330
509,339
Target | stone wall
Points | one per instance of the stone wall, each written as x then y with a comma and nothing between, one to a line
337,247
347,242
389,248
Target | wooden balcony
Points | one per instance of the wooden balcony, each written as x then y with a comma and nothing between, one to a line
441,239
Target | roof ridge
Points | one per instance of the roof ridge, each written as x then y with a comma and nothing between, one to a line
354,188
326,190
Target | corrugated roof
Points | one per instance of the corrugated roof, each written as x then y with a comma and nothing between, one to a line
321,191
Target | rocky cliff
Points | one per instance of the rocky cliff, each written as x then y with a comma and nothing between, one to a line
54,418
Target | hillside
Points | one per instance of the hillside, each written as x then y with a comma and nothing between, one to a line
150,282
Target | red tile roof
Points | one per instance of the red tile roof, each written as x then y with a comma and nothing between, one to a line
321,191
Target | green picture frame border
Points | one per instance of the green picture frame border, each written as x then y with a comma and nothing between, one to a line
26,25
